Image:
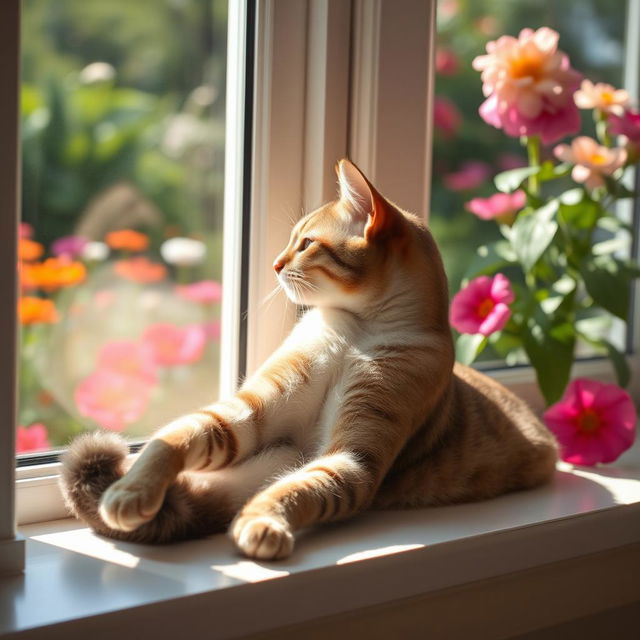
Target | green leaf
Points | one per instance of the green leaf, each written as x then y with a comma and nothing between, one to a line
607,281
489,259
550,171
613,224
509,181
620,364
469,346
617,357
581,212
617,189
532,233
550,351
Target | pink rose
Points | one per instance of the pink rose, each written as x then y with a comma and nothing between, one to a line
500,206
529,86
174,345
482,306
33,438
594,422
471,175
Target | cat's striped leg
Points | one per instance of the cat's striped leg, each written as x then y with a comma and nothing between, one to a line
212,438
328,488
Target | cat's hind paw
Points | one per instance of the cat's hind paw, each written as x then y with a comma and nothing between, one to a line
262,537
125,506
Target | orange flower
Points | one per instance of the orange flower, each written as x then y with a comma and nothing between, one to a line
127,240
53,274
36,310
29,250
140,270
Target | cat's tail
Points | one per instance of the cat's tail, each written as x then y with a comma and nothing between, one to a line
94,461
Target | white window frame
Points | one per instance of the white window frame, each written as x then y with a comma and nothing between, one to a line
326,86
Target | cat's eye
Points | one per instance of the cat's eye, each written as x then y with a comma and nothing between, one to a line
304,244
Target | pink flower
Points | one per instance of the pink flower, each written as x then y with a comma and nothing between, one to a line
446,117
594,422
205,292
500,206
447,63
111,399
129,358
601,96
175,345
25,230
471,175
529,86
33,438
69,246
481,307
592,161
212,330
627,125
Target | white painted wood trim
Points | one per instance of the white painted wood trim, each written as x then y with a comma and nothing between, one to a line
233,196
391,103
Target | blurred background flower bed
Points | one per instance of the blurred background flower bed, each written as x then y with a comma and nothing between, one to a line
122,189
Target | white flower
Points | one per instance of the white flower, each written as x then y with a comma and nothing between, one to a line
95,251
183,252
97,72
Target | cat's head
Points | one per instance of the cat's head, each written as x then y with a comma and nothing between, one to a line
354,252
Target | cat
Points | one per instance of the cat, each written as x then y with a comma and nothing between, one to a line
361,407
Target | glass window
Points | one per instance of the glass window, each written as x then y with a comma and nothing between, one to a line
123,135
468,153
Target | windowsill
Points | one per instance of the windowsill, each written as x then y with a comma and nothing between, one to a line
75,580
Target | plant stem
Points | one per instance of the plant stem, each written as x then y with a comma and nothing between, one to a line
533,149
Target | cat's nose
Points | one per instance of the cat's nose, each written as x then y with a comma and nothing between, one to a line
278,265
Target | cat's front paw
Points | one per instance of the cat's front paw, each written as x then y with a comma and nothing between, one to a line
262,537
126,505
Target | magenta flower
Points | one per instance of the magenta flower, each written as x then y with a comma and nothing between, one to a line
69,246
627,125
529,86
471,175
447,63
482,306
111,399
174,345
33,438
446,117
129,358
500,206
594,422
204,292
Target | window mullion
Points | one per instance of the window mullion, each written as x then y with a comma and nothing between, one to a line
11,548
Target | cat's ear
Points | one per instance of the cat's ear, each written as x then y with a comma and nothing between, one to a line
362,201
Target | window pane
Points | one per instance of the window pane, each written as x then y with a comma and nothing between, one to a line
468,152
123,149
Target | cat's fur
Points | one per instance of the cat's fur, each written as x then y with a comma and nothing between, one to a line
361,406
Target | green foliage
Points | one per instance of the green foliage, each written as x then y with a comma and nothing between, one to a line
560,273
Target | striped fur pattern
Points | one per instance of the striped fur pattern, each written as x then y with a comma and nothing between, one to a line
362,405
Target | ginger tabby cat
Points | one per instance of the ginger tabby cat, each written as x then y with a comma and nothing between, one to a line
362,406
